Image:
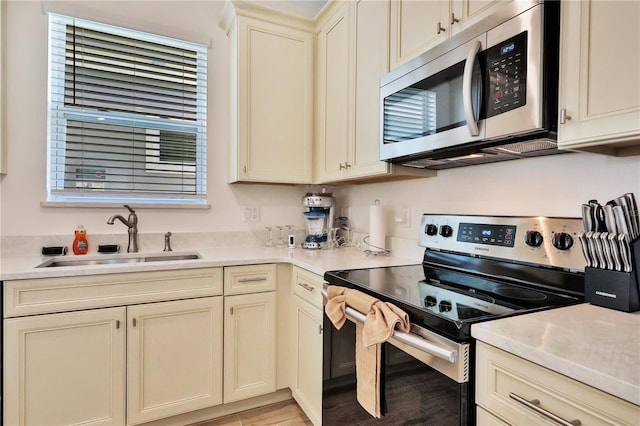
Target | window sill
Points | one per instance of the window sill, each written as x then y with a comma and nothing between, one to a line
137,206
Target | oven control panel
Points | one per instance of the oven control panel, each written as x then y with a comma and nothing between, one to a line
548,241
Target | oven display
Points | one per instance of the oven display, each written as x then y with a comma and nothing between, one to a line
495,235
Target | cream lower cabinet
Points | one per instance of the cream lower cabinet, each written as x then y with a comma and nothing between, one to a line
307,343
249,331
100,365
174,358
514,391
66,368
249,345
599,96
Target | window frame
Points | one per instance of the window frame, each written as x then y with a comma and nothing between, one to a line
60,114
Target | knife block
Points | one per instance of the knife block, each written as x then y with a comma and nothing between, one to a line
614,289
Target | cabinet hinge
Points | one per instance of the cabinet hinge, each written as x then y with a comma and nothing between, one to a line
134,322
117,324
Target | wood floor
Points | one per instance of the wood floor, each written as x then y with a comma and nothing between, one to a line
283,413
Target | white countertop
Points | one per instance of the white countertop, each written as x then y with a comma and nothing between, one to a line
317,261
596,346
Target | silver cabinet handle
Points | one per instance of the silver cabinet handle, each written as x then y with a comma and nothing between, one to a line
564,117
440,29
319,329
306,287
454,19
534,404
251,280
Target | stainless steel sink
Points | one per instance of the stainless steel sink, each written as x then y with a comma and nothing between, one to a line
58,262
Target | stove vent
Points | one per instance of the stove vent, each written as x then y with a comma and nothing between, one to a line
528,146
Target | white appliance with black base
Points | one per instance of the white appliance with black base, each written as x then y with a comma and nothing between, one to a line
474,268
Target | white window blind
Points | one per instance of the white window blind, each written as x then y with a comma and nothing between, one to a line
127,115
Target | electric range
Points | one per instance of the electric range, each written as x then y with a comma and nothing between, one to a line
474,269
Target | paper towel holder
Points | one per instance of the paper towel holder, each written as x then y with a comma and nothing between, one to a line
373,247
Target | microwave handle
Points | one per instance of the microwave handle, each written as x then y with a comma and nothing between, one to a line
472,124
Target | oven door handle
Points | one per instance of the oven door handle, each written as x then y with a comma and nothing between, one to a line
410,339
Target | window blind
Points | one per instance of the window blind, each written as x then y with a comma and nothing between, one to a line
127,114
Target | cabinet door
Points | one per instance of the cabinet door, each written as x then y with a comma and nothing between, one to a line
273,103
334,93
465,13
307,385
414,27
249,345
65,368
599,69
370,23
174,358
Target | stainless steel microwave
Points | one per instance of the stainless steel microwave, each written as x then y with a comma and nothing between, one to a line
489,93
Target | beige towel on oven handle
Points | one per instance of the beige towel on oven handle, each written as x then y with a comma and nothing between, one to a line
381,320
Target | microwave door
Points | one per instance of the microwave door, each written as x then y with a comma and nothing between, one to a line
514,76
424,109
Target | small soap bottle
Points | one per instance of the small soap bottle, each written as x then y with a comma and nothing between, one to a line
80,244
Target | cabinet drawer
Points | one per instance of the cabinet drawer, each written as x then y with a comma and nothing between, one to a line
249,279
307,285
502,378
45,295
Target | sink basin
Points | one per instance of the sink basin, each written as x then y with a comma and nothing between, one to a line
58,262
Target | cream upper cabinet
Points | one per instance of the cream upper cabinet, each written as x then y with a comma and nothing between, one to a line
416,26
353,53
271,95
307,342
249,345
599,77
519,392
465,13
334,98
174,358
66,368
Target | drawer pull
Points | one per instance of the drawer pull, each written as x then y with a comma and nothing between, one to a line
306,287
534,404
251,280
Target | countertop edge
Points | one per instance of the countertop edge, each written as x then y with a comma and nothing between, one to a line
500,338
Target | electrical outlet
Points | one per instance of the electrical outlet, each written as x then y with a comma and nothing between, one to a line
402,217
251,214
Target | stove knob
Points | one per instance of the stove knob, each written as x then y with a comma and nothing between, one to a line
444,306
431,229
533,238
430,301
562,241
446,231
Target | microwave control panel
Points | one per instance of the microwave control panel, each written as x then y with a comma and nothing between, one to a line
507,75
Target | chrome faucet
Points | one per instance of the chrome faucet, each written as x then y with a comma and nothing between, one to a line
132,224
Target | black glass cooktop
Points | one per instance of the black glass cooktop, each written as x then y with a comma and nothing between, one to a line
447,301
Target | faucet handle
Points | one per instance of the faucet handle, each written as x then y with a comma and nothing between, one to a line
129,208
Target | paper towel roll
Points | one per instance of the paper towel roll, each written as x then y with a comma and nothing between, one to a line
377,227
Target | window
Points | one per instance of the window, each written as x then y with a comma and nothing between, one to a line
127,115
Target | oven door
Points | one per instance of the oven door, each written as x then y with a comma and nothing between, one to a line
426,385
